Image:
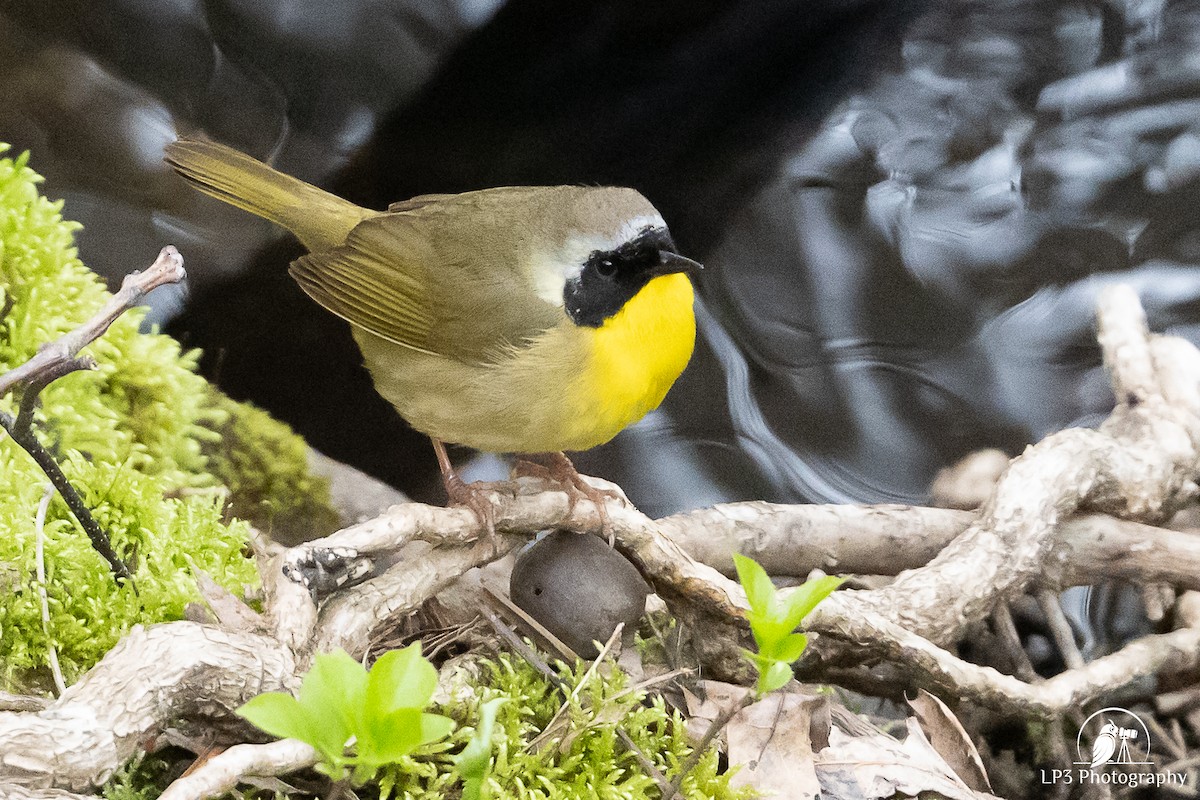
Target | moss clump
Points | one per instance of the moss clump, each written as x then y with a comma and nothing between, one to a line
135,437
581,760
264,465
143,778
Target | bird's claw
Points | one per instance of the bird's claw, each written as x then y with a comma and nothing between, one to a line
475,496
556,467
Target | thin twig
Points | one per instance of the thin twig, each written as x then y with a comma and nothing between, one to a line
1007,630
1183,764
719,722
1163,740
595,665
1060,629
34,388
39,526
57,355
98,536
645,763
496,597
564,709
523,650
60,357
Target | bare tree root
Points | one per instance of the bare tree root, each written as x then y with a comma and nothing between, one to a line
888,539
1072,509
223,772
1141,464
175,673
22,793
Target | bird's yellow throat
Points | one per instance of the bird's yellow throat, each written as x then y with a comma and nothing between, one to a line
634,358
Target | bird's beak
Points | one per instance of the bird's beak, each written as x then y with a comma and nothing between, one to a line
669,262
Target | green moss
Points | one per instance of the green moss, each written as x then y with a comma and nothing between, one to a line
137,437
264,464
143,778
583,760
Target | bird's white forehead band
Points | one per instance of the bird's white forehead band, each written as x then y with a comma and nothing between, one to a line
633,227
568,262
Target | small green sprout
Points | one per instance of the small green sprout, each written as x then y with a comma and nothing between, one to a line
773,621
474,763
355,720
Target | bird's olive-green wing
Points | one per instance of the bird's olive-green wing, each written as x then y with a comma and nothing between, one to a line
440,282
420,201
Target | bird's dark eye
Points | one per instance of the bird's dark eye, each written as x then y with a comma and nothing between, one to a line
606,268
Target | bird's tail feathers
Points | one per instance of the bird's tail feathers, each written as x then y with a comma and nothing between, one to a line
319,219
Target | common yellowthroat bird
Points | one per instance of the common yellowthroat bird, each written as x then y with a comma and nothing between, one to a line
521,319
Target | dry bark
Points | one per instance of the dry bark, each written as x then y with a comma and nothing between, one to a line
154,676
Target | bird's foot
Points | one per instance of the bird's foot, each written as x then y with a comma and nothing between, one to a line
558,468
477,497
474,496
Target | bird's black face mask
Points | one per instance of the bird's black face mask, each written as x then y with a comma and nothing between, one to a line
610,278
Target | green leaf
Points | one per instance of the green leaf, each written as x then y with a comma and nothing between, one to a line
768,630
773,619
333,692
435,727
398,687
774,677
390,737
401,679
756,582
800,602
475,760
280,714
788,649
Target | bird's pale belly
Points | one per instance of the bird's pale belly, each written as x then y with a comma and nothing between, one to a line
572,389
